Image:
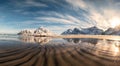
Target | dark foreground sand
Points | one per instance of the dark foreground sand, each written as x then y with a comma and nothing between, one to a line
62,54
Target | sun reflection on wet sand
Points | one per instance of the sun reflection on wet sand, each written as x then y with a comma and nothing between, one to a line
107,48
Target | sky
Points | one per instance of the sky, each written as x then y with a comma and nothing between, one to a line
57,15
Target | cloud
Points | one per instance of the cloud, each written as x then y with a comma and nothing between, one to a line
77,3
58,17
33,3
73,19
51,13
54,16
54,19
98,14
61,14
27,3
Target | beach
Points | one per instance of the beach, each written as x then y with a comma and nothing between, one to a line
59,53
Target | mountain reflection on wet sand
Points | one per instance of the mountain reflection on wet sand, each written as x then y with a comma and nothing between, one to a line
68,52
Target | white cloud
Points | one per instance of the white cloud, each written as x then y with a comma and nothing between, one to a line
101,15
54,19
28,3
62,18
77,3
73,19
51,13
33,3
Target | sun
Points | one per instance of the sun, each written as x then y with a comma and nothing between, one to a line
115,22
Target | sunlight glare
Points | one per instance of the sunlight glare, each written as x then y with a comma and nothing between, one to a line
115,22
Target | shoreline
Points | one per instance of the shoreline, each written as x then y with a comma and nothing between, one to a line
109,37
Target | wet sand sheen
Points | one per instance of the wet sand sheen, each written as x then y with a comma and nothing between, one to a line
108,37
55,55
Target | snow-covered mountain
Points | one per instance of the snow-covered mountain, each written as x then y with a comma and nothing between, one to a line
42,31
113,31
39,31
74,31
92,31
25,32
69,31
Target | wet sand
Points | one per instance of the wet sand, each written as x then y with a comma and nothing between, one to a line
61,54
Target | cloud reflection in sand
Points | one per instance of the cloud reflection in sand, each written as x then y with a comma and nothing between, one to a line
104,52
99,46
102,48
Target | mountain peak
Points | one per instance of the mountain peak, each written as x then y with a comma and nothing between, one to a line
38,31
91,30
113,31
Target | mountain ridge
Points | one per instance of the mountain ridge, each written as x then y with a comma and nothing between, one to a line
93,31
38,31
